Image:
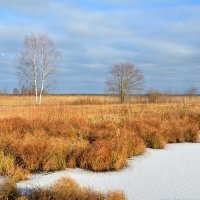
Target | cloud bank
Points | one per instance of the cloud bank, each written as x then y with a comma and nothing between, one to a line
160,37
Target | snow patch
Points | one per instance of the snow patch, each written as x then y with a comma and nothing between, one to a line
172,173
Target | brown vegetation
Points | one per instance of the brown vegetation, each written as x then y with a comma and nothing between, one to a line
64,189
94,137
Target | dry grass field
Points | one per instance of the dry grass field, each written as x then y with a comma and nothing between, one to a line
90,132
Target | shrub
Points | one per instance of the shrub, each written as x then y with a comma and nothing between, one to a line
103,156
20,174
7,164
103,130
66,188
150,133
31,151
75,152
153,140
8,168
180,130
116,195
135,145
153,95
55,154
8,190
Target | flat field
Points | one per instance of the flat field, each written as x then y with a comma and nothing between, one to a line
89,132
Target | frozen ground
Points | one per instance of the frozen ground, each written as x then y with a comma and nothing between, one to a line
169,174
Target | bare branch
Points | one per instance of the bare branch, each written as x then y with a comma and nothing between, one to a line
37,62
124,79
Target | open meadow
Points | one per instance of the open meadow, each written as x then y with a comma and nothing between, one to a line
90,132
99,100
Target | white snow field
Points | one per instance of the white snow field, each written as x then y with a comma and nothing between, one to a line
169,174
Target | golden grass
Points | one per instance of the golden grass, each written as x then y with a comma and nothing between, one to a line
116,195
64,189
63,100
98,137
9,191
7,167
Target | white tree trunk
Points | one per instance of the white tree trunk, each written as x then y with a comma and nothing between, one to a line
37,62
42,46
36,93
35,83
41,91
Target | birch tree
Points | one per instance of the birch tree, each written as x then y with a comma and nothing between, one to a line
124,78
37,63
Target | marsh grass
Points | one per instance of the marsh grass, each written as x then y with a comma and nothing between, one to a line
64,189
95,137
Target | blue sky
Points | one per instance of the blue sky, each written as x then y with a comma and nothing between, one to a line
160,37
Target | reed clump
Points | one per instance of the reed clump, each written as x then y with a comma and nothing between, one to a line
94,137
65,188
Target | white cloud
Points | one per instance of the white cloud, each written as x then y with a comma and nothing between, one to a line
159,38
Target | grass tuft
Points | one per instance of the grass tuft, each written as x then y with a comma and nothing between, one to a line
65,188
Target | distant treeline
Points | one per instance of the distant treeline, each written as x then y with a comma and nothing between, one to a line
151,93
23,91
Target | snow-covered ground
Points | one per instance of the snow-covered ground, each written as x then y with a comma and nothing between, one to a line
169,174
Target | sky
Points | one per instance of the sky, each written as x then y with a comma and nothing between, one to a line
161,38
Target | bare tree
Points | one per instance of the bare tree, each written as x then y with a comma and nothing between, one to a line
124,78
15,91
192,90
38,60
